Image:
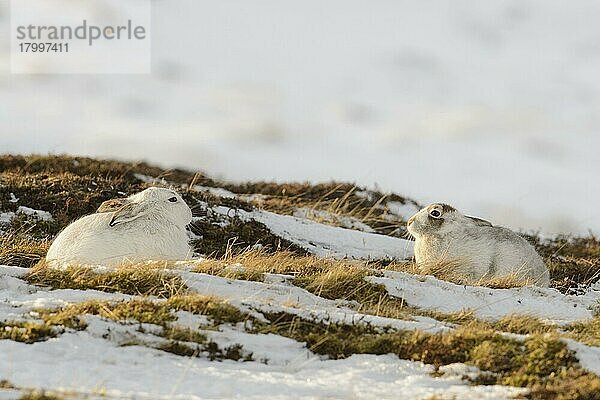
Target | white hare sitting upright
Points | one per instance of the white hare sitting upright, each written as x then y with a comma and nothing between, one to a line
149,225
473,249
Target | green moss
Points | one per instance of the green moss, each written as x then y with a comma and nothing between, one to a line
26,332
496,356
210,349
175,333
140,310
217,310
534,363
180,339
568,384
180,349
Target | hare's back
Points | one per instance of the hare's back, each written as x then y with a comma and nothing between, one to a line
80,234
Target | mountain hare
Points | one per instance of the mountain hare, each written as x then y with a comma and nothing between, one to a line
149,225
472,249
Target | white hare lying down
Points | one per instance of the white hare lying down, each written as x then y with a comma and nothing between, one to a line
473,248
149,225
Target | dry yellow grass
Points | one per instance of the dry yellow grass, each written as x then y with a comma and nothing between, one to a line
332,279
454,271
21,250
257,262
332,205
587,332
155,280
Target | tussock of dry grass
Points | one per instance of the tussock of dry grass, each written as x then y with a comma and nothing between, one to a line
325,202
348,283
21,250
522,324
454,271
129,280
514,323
331,279
460,317
573,261
258,262
587,332
218,310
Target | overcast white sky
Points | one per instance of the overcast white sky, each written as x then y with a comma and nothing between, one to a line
490,106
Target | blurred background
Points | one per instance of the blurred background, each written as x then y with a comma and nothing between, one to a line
489,106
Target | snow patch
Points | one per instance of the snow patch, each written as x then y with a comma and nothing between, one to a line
90,364
343,221
327,241
283,297
404,211
215,191
39,214
434,294
588,356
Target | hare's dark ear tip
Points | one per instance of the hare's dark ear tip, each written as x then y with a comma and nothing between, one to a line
111,205
447,207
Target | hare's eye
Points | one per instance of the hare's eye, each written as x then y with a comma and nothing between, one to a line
173,199
435,213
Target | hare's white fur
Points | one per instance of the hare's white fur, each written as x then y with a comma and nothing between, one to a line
150,225
476,249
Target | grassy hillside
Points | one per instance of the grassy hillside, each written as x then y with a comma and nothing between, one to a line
527,351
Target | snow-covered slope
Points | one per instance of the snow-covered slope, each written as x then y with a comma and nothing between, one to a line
92,362
362,322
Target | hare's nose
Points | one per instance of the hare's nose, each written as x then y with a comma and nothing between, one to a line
411,220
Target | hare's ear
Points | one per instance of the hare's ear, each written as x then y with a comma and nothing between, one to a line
479,221
127,213
111,205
